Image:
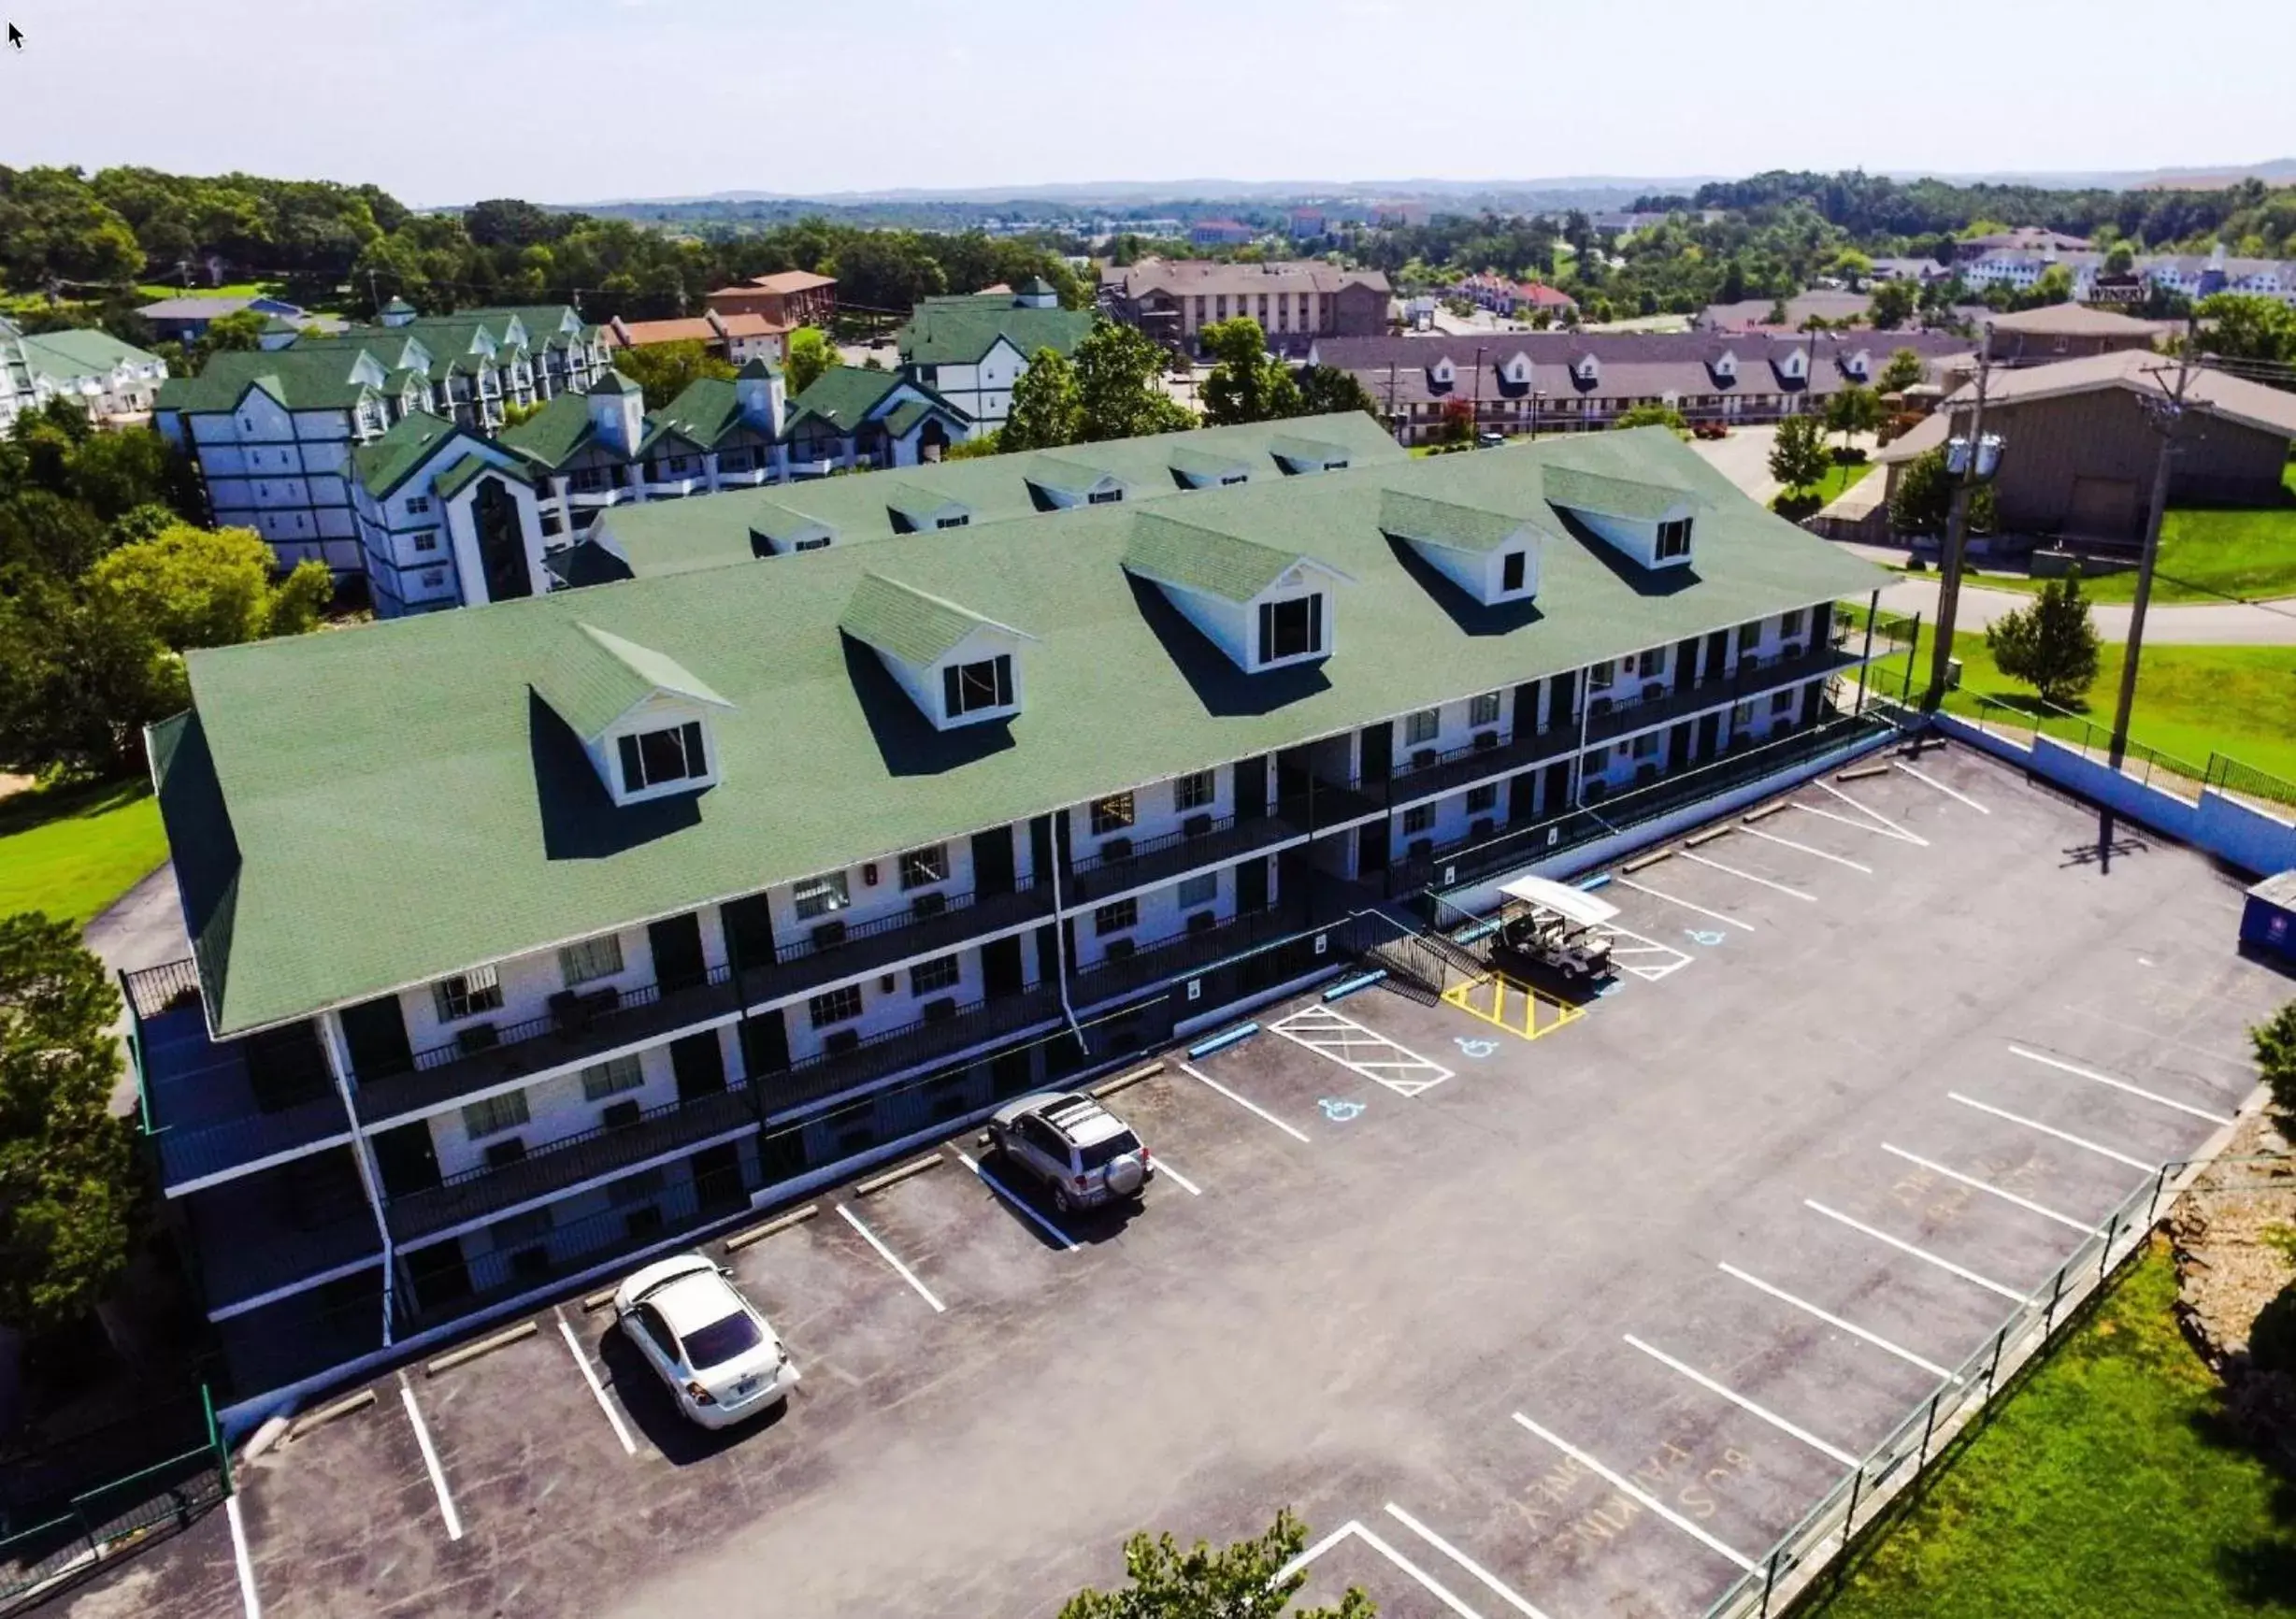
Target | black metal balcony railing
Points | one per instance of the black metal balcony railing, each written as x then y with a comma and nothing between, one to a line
168,987
832,949
1456,767
1208,842
1113,976
829,1071
192,1154
578,1025
1643,713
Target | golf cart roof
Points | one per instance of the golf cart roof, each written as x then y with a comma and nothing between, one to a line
1573,903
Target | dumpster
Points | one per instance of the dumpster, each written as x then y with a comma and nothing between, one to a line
2268,925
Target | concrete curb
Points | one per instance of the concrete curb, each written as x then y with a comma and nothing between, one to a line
1631,866
327,1414
898,1174
1862,773
1110,1087
487,1345
1708,836
780,1223
1766,812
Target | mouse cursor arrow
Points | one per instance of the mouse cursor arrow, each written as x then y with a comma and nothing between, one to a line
16,37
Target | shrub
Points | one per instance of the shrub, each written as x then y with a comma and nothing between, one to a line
1794,504
2272,1341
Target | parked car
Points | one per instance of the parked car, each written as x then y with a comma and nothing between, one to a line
1082,1155
1709,430
1489,439
718,1355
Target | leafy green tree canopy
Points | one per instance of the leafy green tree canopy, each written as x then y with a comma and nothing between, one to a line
1247,383
810,354
1798,457
209,587
1237,1582
2275,1040
1324,389
1048,407
1119,372
1923,498
1904,369
2052,645
2247,327
662,370
1894,304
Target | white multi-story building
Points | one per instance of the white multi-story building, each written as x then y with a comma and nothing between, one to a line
971,350
701,886
94,370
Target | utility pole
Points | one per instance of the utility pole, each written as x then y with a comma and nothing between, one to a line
374,293
1478,421
1957,535
1393,425
2166,416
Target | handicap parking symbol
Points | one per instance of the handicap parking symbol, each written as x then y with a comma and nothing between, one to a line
1476,1048
1704,935
1338,1110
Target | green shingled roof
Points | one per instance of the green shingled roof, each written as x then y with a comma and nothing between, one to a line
1197,558
469,466
1582,491
960,331
300,379
670,536
916,504
389,461
1067,474
1446,523
703,411
552,435
843,396
79,351
592,678
302,811
1309,452
913,625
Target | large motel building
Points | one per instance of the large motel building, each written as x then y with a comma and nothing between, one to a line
642,905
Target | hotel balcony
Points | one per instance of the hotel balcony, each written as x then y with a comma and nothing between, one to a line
935,921
1426,773
1608,717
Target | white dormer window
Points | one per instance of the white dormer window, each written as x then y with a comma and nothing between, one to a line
1518,370
970,690
642,719
1443,373
669,757
1674,540
1726,366
1291,629
1587,369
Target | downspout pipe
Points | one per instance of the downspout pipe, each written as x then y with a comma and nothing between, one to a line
1060,949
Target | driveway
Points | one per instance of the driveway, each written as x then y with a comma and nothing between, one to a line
143,929
2269,623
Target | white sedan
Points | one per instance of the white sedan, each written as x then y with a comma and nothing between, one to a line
719,1356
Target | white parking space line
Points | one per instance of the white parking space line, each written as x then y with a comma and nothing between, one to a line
1833,1452
1805,849
246,1564
1497,1586
2211,1114
1791,893
1963,1271
1317,1549
597,1389
1671,899
1177,1178
1249,1107
430,1461
1930,780
1665,958
1875,1338
1361,1049
1425,1580
1903,834
1067,1243
1986,1187
2066,1136
886,1255
1628,1487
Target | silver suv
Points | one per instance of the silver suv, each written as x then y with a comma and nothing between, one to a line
1083,1154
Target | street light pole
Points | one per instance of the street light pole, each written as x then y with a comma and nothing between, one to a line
2167,415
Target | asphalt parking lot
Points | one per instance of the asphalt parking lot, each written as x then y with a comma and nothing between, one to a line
1561,1326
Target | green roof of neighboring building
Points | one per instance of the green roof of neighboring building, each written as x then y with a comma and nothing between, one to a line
671,537
614,382
914,625
301,810
592,678
300,379
452,480
552,435
843,396
703,411
758,365
78,352
960,331
385,462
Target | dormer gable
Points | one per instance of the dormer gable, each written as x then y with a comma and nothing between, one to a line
644,720
1056,483
1793,363
1296,456
916,510
1725,366
958,666
1650,523
1443,373
1516,369
1857,364
1209,469
777,530
1264,606
1491,556
1586,369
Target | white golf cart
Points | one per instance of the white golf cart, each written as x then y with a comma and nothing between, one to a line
1556,927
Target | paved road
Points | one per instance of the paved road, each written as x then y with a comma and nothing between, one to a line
145,928
1743,458
2215,624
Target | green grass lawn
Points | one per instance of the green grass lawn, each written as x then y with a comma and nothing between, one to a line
72,850
2097,1490
153,291
1840,476
2207,555
2190,701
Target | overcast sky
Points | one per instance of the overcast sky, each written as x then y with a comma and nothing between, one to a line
565,101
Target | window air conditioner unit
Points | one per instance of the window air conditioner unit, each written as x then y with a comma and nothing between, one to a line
839,1041
1485,739
1599,706
1196,826
1646,772
1653,690
941,1010
828,935
1596,789
1485,826
1419,848
477,1037
508,1151
1202,921
1116,849
927,905
1120,950
1422,758
618,1115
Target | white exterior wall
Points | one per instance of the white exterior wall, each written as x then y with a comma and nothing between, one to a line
883,1011
655,714
1160,917
1155,814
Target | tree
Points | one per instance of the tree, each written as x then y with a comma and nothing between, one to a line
1651,416
2119,258
1326,389
1905,369
66,1184
2275,1040
1797,458
662,370
1854,409
1458,423
1894,304
238,332
78,682
1923,496
1047,407
1236,1582
810,354
2051,645
209,587
2249,326
1120,393
1247,383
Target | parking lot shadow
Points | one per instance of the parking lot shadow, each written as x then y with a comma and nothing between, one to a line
680,1441
1081,1225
